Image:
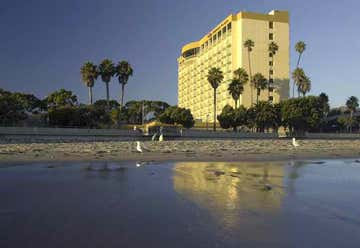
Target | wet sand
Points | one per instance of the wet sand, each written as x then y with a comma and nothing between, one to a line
203,150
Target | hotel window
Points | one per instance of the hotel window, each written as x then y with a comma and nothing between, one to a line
271,81
271,36
229,26
214,38
270,54
271,98
271,72
270,63
224,30
219,35
271,25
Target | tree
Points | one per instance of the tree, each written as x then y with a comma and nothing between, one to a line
302,114
123,72
266,116
240,115
227,117
61,98
112,104
260,83
249,45
298,75
28,102
300,47
273,48
215,77
324,98
236,87
89,74
304,85
352,103
11,110
176,115
106,71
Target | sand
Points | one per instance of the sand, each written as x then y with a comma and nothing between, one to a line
202,150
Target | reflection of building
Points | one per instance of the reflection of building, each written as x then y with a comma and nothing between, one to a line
223,47
229,190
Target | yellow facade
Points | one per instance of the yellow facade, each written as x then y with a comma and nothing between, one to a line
223,47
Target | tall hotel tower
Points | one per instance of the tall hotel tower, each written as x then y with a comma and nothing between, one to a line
223,47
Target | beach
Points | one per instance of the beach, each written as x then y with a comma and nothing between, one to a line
180,150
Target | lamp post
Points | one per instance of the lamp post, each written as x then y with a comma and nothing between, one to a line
207,122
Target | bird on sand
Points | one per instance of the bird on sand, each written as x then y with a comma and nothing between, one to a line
161,138
295,143
153,138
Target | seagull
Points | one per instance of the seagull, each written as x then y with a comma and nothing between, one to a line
154,137
138,147
295,143
161,138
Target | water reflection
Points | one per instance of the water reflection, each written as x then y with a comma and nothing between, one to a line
231,191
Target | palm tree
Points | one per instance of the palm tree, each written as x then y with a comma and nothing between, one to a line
352,103
249,44
298,75
89,74
123,72
273,48
106,71
215,77
300,47
304,85
236,87
260,83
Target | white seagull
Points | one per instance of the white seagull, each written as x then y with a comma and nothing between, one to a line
154,137
138,147
295,143
161,138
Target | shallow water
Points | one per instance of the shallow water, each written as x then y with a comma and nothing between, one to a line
190,204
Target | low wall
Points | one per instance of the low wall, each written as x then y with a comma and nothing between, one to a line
332,135
226,135
67,132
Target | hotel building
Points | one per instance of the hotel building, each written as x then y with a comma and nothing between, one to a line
223,47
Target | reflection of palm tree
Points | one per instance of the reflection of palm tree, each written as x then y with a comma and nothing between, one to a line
294,174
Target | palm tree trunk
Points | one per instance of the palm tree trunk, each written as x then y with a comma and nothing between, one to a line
257,96
122,96
251,87
90,95
297,66
235,104
271,68
298,62
214,125
351,119
107,94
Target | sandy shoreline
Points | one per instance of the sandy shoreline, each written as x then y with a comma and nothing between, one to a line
204,150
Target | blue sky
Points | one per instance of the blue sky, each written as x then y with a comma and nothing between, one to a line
44,42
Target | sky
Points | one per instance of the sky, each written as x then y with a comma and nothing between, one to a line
43,43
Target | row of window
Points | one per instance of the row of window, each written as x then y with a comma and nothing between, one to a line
217,36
